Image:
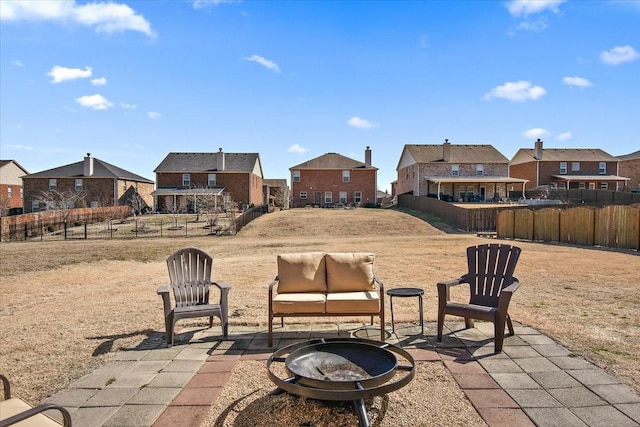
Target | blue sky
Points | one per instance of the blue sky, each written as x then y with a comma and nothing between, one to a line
130,81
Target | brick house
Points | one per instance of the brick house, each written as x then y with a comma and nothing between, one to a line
567,168
103,184
334,180
183,178
630,167
455,172
11,186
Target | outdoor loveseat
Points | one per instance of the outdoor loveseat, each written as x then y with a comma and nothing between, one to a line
314,284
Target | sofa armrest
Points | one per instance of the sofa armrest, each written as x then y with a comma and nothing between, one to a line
378,282
273,285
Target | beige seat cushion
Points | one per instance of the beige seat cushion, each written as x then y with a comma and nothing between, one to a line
366,302
302,272
306,302
11,407
350,272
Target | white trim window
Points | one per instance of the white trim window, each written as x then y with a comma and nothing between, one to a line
328,197
35,206
295,175
563,168
78,184
602,168
9,192
211,180
342,198
186,179
582,185
575,166
346,176
303,194
479,170
357,197
94,204
592,186
455,170
53,184
604,185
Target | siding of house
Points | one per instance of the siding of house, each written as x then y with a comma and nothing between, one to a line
525,171
11,184
630,168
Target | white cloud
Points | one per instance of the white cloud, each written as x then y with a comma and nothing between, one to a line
127,106
296,148
62,74
531,7
100,81
97,102
264,62
199,4
516,91
17,63
565,136
153,115
19,147
619,55
360,123
535,26
104,17
577,81
535,133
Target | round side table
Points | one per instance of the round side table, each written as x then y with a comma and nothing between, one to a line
405,293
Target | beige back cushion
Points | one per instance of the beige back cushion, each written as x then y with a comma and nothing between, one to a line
350,272
303,272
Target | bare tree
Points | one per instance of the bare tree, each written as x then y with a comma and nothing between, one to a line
137,203
175,206
62,201
4,205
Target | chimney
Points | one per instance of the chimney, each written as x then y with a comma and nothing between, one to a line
88,165
220,160
367,158
446,151
538,150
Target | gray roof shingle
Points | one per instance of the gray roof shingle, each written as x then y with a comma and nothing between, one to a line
207,162
101,169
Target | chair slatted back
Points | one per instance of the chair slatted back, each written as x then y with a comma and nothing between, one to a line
190,275
491,269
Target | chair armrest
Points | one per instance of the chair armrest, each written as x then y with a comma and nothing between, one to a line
505,295
6,386
66,416
224,293
273,285
445,286
164,289
380,284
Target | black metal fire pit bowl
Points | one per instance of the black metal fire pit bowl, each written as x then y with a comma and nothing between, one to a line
342,369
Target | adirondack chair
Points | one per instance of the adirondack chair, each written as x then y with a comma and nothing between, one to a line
190,283
15,411
491,285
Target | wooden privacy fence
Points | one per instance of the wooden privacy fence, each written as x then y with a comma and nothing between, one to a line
614,226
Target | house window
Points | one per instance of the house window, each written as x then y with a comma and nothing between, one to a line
357,197
296,176
479,170
79,184
602,168
563,168
303,194
592,186
94,204
575,166
582,185
562,185
226,201
455,170
186,180
9,192
53,184
35,206
211,179
328,197
604,185
346,176
21,193
343,197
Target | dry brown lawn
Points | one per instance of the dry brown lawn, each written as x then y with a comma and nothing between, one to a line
66,307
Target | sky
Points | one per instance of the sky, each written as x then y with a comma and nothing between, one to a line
130,81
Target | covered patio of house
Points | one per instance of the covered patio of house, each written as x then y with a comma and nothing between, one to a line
474,189
174,200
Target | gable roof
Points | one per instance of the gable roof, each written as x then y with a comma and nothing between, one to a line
631,156
208,162
525,155
331,161
101,169
460,153
275,182
6,162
